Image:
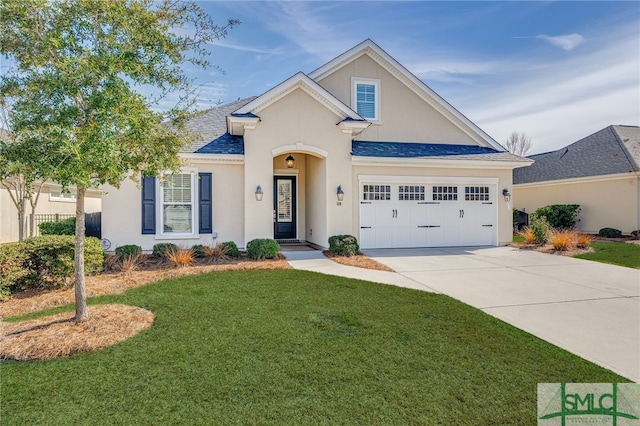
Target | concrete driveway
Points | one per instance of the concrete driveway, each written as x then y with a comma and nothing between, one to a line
588,308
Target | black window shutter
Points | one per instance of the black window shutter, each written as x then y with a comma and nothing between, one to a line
205,202
149,205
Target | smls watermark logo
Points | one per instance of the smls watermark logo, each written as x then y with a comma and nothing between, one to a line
616,404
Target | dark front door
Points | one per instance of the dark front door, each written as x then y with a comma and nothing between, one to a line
284,207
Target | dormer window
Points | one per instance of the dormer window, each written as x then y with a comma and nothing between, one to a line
366,98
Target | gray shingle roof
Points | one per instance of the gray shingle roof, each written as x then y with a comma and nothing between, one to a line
425,150
225,144
612,150
210,125
413,150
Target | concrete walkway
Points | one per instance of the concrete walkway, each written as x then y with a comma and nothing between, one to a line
588,308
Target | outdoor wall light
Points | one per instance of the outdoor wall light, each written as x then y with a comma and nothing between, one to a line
506,194
259,193
290,161
340,193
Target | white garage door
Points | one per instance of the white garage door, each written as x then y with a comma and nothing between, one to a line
427,215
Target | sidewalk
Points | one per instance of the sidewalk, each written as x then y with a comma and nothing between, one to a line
315,261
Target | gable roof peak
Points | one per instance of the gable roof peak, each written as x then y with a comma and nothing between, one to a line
298,80
405,76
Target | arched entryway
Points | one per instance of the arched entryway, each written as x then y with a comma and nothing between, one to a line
299,189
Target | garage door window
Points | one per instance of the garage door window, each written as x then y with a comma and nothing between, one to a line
445,193
376,192
476,193
411,193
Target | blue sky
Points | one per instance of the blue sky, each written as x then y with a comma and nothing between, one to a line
557,71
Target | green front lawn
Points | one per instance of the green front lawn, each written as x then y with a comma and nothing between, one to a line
295,347
621,254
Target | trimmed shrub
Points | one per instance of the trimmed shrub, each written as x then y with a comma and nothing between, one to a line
128,251
540,229
262,248
344,245
160,249
559,216
50,259
12,270
63,227
231,249
610,233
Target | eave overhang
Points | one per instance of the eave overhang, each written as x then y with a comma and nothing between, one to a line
193,158
450,163
353,127
237,124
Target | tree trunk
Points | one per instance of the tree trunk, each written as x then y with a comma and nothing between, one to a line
34,202
81,295
32,221
21,220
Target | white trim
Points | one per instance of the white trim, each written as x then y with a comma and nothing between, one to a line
286,172
300,147
413,83
354,128
364,179
375,82
299,81
432,162
212,158
573,181
160,234
237,125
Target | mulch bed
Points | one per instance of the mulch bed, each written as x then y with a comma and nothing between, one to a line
115,281
59,335
359,261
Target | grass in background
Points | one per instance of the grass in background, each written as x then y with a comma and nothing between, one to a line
621,254
295,347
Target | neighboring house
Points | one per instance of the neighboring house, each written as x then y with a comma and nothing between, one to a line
601,173
52,201
359,146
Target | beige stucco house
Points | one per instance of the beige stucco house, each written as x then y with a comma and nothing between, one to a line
601,173
359,146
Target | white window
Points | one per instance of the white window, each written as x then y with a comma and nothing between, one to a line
58,195
177,197
366,98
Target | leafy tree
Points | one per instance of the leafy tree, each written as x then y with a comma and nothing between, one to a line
81,67
19,178
518,143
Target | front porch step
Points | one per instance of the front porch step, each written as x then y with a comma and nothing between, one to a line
290,241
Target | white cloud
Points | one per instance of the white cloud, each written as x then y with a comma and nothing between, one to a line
560,101
565,42
245,48
308,25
